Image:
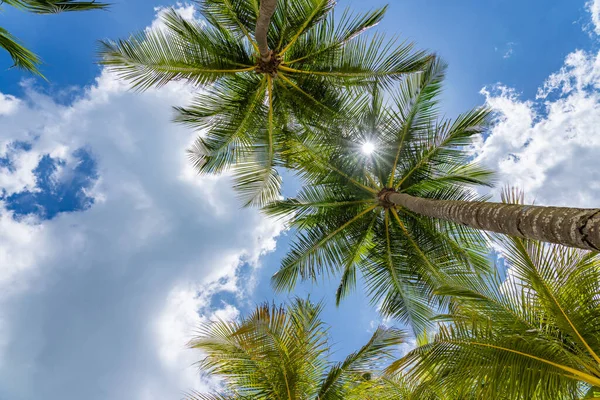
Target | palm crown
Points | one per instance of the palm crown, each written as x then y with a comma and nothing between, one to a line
344,225
248,106
534,335
23,57
280,353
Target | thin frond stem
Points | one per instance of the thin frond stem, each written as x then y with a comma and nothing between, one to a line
406,129
246,68
367,23
422,161
323,50
310,55
370,179
352,260
388,252
343,203
409,173
336,204
395,164
523,250
436,232
592,380
434,270
248,114
293,85
332,234
241,26
346,224
302,28
283,67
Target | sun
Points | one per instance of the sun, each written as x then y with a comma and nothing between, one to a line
368,148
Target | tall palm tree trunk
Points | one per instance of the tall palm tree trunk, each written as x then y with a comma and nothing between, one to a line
574,227
267,8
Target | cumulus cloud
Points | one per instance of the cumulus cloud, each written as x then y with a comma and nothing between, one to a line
8,104
187,11
550,146
98,303
593,7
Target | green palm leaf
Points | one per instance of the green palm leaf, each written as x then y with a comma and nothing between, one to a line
281,353
55,6
251,110
532,335
24,58
345,227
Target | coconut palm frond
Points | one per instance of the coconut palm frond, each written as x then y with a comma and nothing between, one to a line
249,111
344,228
531,335
281,352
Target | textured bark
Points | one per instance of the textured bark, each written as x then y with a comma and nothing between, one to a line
574,227
267,8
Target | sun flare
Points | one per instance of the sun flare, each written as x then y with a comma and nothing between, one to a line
368,148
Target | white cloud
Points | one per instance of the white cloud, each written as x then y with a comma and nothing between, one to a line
507,49
186,308
550,146
593,7
99,304
187,11
8,104
510,49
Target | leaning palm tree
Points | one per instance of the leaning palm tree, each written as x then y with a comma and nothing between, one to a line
23,57
344,223
533,335
281,353
261,69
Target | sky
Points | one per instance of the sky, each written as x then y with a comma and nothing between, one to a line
112,249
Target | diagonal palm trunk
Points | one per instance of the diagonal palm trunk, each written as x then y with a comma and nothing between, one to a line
267,9
575,227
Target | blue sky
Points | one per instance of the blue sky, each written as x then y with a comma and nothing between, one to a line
112,250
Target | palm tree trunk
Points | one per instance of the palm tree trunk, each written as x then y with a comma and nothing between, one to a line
574,227
267,8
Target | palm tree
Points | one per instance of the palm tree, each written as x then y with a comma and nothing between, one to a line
534,335
345,226
574,227
23,57
256,87
281,353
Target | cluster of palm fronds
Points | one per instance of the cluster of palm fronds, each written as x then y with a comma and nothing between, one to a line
533,335
308,94
250,116
281,353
